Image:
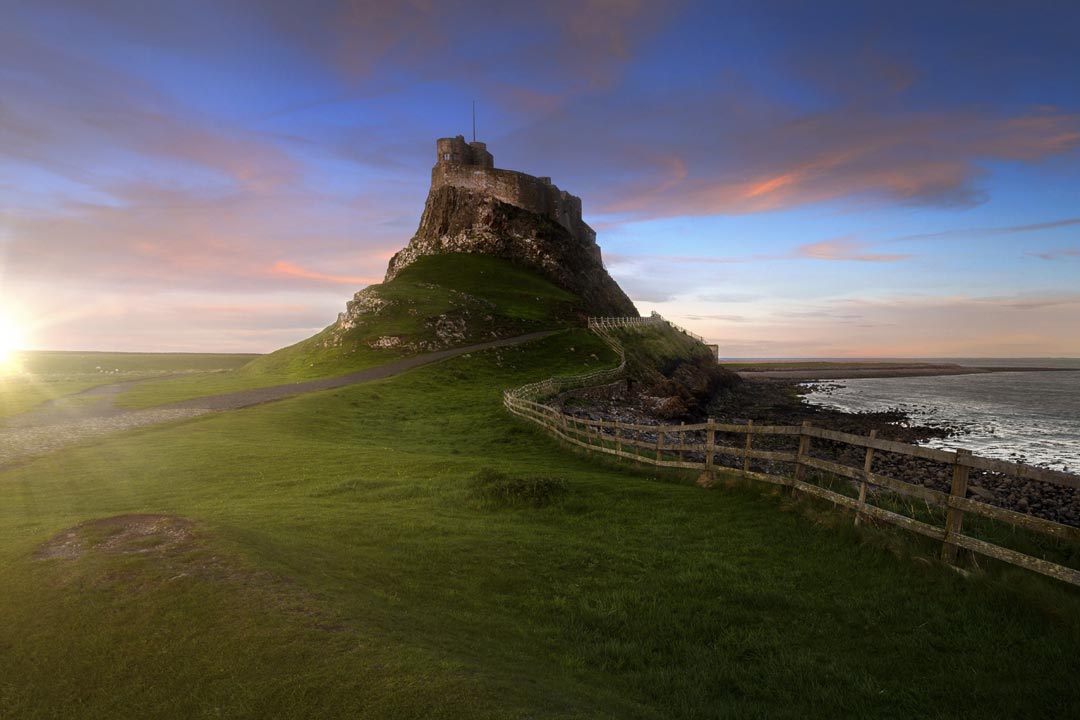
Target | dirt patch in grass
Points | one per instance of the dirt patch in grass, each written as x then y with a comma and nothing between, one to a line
140,554
144,534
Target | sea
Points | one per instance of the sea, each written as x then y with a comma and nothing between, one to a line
1031,417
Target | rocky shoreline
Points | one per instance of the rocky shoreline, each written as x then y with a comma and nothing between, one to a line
774,402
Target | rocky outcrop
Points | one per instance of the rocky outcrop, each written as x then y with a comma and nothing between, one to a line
468,319
460,219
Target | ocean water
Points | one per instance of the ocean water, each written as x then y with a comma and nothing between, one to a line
1031,417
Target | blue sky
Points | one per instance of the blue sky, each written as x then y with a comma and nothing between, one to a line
787,179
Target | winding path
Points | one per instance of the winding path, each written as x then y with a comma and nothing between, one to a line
92,413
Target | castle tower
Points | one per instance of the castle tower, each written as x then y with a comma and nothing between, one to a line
455,151
481,156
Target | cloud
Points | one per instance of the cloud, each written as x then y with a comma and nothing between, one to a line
728,297
731,149
569,45
617,259
249,149
725,318
289,269
828,314
1034,303
84,121
1019,325
923,159
844,249
151,237
1020,301
989,231
1058,254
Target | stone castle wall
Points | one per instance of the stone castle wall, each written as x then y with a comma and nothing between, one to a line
471,166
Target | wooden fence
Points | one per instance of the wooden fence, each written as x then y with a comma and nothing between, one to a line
610,323
696,447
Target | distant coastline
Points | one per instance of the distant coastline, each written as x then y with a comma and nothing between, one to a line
799,371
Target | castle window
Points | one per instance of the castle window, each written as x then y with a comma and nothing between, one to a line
446,156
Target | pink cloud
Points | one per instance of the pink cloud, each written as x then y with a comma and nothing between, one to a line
168,238
732,150
1022,325
921,159
289,269
845,249
250,309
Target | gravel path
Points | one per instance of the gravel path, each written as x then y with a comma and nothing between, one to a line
93,413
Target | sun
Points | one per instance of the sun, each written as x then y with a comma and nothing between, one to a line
11,339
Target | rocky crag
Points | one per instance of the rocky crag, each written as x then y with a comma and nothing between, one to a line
473,207
525,233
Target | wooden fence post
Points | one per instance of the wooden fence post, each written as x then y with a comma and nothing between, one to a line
954,517
867,464
682,440
659,442
634,436
618,440
804,450
710,446
746,455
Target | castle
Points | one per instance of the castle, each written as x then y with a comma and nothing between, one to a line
474,207
472,167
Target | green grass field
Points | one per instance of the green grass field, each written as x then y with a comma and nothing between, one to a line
48,375
347,561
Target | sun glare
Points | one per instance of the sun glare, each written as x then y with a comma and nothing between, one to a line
11,339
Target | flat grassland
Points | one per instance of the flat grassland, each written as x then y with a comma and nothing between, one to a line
342,555
48,375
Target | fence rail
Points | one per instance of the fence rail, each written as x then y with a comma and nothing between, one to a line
695,447
610,323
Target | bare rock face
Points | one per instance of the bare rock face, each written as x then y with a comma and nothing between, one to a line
461,220
365,302
474,207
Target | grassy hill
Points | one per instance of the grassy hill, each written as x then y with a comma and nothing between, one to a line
437,302
406,549
343,555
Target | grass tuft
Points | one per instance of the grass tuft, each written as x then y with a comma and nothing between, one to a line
505,490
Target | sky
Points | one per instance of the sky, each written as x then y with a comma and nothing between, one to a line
788,179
